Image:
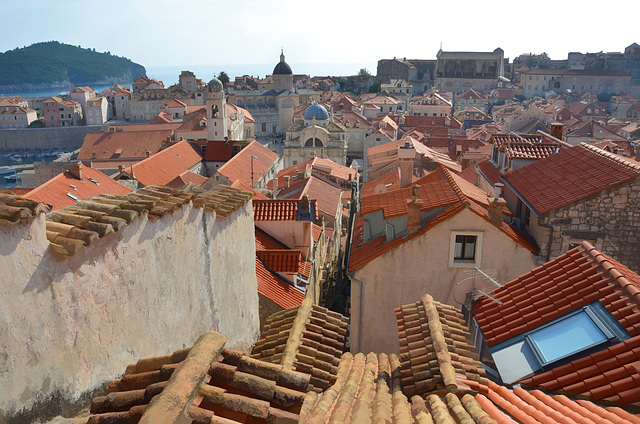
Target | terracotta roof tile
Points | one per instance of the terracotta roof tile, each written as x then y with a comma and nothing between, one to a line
93,183
570,175
328,198
207,384
308,339
239,166
435,348
72,228
187,177
218,151
275,288
15,209
438,189
280,260
275,210
558,282
114,145
166,165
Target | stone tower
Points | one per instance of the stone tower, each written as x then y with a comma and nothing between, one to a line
216,111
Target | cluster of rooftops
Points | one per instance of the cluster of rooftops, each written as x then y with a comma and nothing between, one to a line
576,316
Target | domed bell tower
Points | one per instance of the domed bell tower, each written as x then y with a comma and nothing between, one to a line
216,111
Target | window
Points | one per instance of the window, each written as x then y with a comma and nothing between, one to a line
584,331
465,249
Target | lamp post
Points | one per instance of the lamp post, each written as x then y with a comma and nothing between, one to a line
252,158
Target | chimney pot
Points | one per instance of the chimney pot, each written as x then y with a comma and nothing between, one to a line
496,209
413,214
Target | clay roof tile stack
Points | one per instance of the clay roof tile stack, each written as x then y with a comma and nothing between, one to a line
369,389
72,228
435,349
207,383
15,209
308,339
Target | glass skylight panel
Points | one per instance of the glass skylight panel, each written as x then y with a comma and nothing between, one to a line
567,336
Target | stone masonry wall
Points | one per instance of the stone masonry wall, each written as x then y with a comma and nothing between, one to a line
68,326
39,139
611,219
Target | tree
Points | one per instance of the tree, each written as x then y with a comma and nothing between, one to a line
364,72
223,77
375,88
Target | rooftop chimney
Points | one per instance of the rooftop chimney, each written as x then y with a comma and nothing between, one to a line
75,170
121,167
496,205
413,215
286,180
407,156
465,163
148,153
556,130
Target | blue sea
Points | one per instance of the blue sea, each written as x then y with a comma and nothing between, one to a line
169,74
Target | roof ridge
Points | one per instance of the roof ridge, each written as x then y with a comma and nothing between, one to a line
611,156
456,188
610,269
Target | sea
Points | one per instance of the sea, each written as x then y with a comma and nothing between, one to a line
169,74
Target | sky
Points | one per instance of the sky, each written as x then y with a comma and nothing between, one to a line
211,32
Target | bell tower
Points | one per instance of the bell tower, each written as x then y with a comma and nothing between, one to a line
216,111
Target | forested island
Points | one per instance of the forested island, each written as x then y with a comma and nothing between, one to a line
52,64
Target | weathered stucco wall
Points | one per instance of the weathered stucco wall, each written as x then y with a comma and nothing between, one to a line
419,266
69,325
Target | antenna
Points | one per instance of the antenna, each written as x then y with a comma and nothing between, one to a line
478,284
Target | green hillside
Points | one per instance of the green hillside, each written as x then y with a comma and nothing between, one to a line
56,63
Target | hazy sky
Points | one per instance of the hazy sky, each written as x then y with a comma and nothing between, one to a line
211,32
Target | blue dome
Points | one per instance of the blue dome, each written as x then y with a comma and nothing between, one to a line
316,111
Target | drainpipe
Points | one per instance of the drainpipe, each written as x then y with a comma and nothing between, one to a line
354,280
550,227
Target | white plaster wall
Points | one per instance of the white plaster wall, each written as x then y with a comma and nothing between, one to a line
418,266
69,325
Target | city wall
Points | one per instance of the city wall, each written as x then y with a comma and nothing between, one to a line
69,325
38,139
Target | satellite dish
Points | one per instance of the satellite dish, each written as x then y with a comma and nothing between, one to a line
478,284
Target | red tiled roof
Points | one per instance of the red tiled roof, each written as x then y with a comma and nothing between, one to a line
162,118
611,375
244,187
424,325
280,260
129,144
572,280
326,166
165,166
535,406
265,242
275,210
489,171
276,289
328,198
317,230
239,167
54,192
440,188
570,175
218,151
187,177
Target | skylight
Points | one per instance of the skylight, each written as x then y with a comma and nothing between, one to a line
583,331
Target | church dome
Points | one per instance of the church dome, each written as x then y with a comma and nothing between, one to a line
282,68
316,111
215,85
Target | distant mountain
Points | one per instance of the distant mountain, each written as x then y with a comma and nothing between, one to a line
53,64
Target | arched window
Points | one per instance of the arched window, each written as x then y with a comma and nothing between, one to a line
313,142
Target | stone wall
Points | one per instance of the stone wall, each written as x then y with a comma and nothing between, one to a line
68,326
610,220
39,139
